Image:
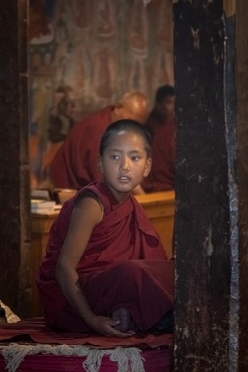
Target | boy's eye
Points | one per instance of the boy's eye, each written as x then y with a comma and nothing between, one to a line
135,157
114,157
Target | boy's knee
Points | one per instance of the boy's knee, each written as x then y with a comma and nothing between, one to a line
129,268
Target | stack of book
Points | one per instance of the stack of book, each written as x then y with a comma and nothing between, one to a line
42,206
43,194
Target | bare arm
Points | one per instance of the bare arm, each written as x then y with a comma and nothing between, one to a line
85,216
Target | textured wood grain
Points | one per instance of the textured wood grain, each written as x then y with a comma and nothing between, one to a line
203,246
14,171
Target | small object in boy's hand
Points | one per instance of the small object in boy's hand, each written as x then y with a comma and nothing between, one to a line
123,316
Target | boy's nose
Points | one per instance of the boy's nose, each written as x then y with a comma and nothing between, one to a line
125,164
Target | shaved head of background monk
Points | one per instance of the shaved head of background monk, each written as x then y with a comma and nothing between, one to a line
133,105
76,162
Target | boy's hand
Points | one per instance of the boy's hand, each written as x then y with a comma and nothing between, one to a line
106,326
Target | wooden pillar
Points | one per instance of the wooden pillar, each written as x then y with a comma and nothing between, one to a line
242,171
14,170
207,249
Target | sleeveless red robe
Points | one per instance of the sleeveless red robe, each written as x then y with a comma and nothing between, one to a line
124,265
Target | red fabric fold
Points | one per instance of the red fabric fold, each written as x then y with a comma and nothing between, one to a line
35,330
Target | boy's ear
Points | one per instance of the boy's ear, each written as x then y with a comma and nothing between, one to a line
100,166
148,167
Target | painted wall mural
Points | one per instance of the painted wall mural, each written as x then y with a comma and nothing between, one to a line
84,55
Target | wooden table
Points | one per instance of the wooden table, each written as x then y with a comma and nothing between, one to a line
159,208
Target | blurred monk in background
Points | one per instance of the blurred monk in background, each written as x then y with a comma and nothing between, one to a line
161,125
76,163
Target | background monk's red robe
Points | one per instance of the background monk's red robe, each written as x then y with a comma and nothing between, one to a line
76,163
162,175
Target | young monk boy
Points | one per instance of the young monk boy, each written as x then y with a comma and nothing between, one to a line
105,269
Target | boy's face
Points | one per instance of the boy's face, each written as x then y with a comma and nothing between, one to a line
124,163
166,107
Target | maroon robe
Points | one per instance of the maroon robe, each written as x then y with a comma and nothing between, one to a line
123,265
76,162
162,175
